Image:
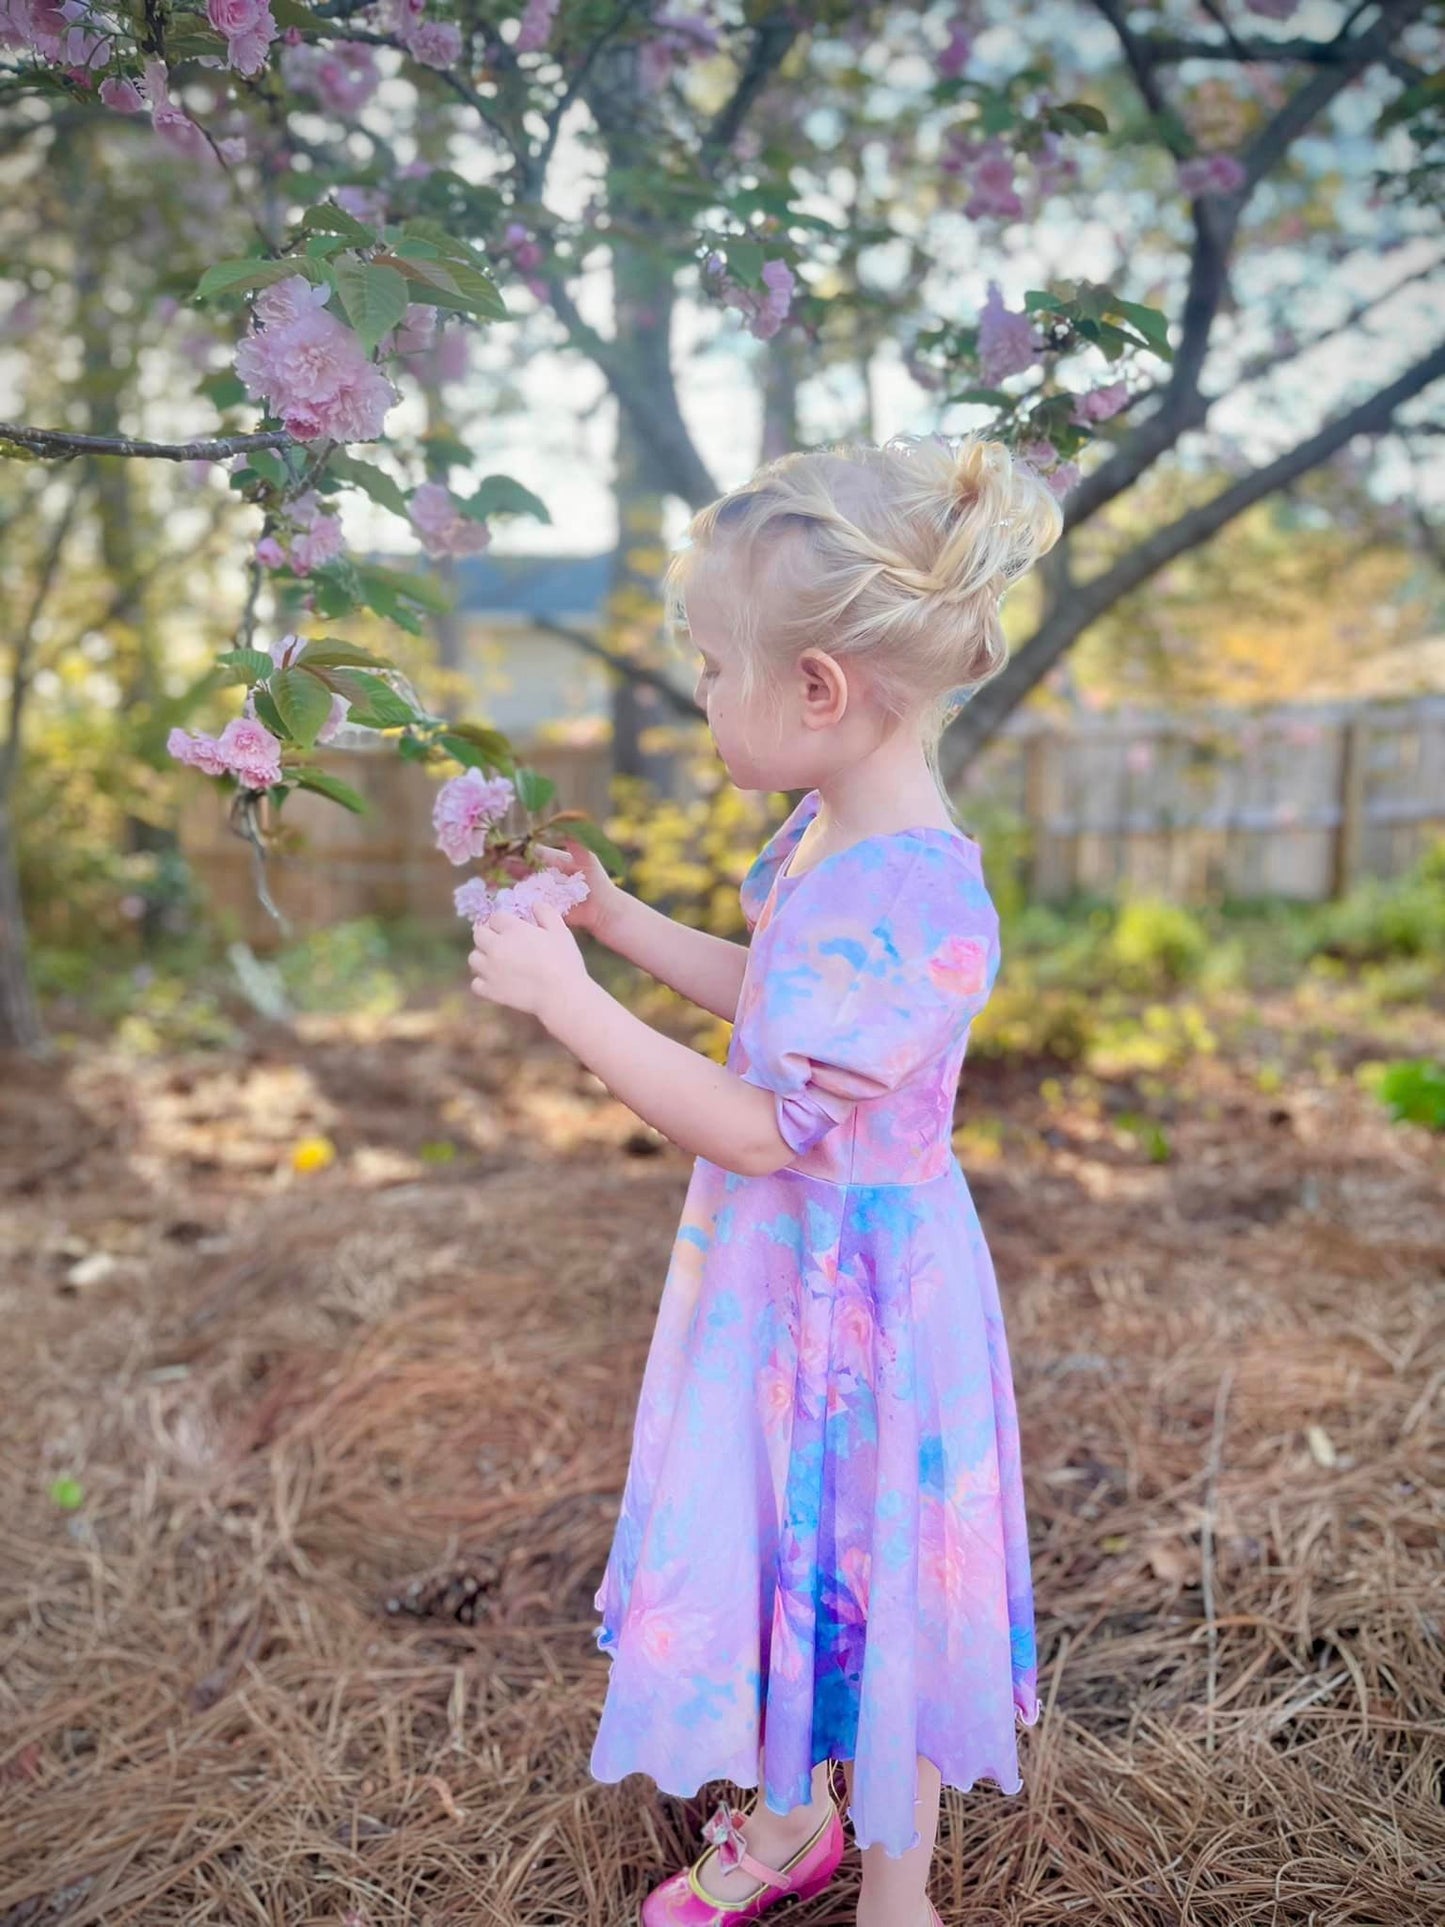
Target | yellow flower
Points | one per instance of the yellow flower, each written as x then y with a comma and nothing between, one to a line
313,1154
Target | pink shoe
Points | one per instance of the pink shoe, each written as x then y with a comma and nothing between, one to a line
683,1902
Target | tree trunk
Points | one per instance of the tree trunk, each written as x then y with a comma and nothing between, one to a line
20,1026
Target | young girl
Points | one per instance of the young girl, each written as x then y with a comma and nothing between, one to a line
822,1552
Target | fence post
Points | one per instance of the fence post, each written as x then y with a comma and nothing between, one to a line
1351,805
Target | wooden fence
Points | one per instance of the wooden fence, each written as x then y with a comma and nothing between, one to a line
1298,800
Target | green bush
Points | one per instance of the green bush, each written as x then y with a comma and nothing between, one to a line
1156,945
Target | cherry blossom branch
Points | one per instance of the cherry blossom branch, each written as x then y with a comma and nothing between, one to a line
63,446
1090,599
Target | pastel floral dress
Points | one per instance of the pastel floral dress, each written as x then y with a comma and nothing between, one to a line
822,1542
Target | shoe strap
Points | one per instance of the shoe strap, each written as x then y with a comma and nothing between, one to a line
724,1831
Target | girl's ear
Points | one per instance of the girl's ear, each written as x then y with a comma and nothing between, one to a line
824,688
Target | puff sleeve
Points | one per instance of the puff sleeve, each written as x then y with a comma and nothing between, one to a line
875,965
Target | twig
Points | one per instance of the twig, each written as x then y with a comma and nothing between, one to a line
1206,1549
61,444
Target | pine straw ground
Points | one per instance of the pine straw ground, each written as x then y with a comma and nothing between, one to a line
317,1645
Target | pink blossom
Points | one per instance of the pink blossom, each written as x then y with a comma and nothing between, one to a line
340,708
1039,454
232,149
450,360
320,544
362,203
343,77
1211,174
248,29
675,38
284,651
197,752
959,51
1100,404
269,553
439,521
252,753
172,123
418,331
37,25
310,367
561,888
473,899
1060,480
122,96
1273,9
993,184
536,28
464,811
766,313
232,17
435,43
1007,343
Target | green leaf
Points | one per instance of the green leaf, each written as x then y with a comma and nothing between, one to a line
304,702
288,13
375,298
534,790
424,590
325,784
327,218
1150,322
745,261
455,284
422,228
595,838
1080,116
336,588
224,389
384,710
246,665
990,397
501,495
269,466
67,1493
370,479
330,652
464,752
490,741
268,713
236,277
1037,298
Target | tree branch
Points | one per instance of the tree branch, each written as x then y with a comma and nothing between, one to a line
1089,600
636,672
60,444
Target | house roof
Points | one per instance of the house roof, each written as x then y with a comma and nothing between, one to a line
538,585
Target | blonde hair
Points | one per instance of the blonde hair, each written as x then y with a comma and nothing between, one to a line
895,558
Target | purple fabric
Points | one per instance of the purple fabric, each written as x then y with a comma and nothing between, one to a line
822,1540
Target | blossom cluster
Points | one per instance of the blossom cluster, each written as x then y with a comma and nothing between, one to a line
245,749
1211,174
310,368
444,529
765,313
476,900
311,539
247,28
465,810
342,77
434,43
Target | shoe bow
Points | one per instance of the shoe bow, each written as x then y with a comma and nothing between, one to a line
724,1832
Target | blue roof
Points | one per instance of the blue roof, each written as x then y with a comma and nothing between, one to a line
536,585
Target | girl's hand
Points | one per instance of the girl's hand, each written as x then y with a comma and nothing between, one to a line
575,859
534,967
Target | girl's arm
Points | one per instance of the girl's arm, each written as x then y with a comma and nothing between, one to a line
702,1106
705,969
